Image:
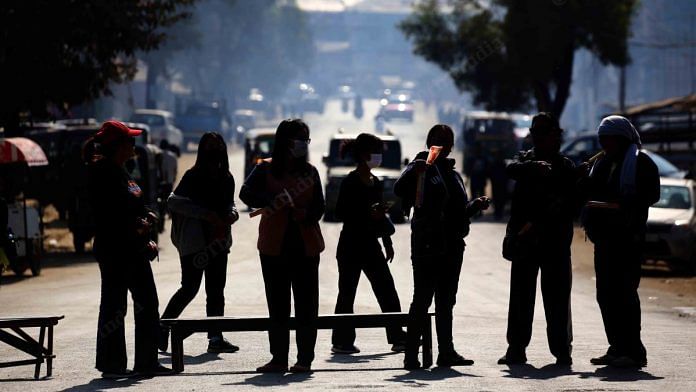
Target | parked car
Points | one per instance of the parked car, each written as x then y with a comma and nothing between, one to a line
671,227
258,146
583,146
338,168
242,121
161,125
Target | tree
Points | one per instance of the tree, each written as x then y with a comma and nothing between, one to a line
512,52
59,53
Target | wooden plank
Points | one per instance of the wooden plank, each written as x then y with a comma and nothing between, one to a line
27,322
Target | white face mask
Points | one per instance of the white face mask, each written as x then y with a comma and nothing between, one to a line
299,148
375,161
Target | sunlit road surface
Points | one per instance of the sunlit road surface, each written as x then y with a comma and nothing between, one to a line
480,316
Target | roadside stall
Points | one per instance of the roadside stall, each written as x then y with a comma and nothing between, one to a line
18,157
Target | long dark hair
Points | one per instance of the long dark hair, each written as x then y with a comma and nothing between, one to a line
287,130
217,159
365,143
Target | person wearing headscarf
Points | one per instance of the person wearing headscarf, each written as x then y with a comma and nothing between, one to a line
543,208
620,187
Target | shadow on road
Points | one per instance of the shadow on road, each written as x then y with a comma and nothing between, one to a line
547,372
101,384
274,380
620,375
192,360
343,358
417,378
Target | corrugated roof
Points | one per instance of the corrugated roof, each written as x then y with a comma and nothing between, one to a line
687,103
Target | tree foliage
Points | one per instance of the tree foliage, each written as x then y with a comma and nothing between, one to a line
510,53
64,52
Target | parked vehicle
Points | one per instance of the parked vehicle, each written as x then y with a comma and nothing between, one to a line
671,227
583,146
161,124
18,158
242,121
337,168
258,146
488,134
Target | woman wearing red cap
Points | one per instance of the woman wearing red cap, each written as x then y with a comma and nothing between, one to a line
123,251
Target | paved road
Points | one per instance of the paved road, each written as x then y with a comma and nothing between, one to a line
480,317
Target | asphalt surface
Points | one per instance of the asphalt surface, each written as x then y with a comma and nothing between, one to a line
71,288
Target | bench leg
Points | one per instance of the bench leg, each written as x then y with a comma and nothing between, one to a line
427,343
49,358
40,354
177,350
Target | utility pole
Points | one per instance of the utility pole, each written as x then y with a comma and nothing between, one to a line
622,89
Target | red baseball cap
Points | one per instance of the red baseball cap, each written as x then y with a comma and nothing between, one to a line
111,131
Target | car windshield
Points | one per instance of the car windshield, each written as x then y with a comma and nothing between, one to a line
674,196
149,119
391,157
664,167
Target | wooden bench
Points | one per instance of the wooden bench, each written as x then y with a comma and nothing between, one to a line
182,328
25,343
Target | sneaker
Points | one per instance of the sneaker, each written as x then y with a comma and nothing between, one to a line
604,360
347,349
452,359
117,374
300,368
628,363
221,345
273,367
398,347
511,359
163,339
158,370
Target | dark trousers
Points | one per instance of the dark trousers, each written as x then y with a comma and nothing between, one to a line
281,274
618,270
556,281
437,276
377,271
118,276
214,266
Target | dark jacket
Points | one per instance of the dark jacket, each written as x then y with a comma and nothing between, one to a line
548,202
261,190
604,185
353,207
118,206
446,211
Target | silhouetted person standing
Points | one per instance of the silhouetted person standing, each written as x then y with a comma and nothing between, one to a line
438,228
289,190
541,231
203,210
123,251
362,211
621,187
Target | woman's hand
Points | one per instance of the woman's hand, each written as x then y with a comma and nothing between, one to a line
481,204
389,250
143,227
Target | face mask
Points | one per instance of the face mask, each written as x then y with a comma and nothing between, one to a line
299,148
375,161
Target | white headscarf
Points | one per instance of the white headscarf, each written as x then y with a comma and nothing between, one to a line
620,126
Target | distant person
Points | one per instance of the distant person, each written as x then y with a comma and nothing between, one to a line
539,233
288,189
123,250
380,124
621,186
203,210
499,184
169,169
358,110
478,171
438,228
361,208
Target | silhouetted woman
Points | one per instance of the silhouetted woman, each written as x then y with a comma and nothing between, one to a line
203,209
123,250
288,189
438,228
362,211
